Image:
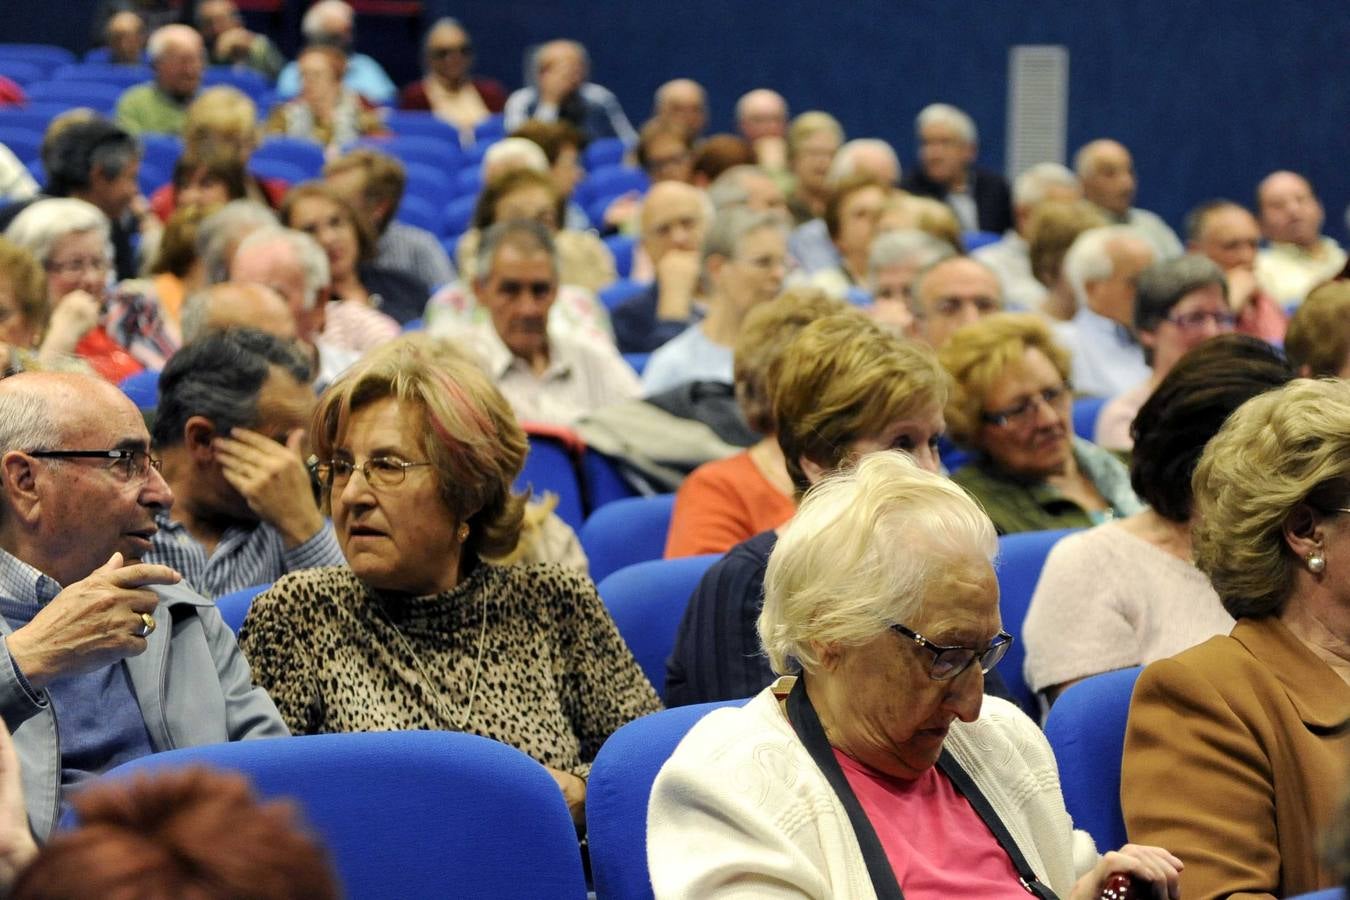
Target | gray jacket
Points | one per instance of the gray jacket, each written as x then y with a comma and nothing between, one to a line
192,683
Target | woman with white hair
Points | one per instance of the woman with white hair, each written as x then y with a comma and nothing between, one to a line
880,765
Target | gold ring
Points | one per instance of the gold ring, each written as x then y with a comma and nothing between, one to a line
148,624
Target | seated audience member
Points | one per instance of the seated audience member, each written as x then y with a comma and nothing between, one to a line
1299,257
1179,304
526,194
325,111
357,283
948,143
1012,405
332,23
811,245
160,106
118,331
716,154
1229,235
207,181
510,154
851,216
235,304
448,89
906,212
124,36
230,426
665,151
176,270
32,335
1127,593
674,221
418,453
1318,340
1101,268
1053,228
562,145
373,182
844,387
951,293
683,102
1106,171
16,182
762,120
559,91
220,233
1244,781
744,261
894,261
546,376
229,43
812,141
863,747
727,501
1010,256
92,634
748,186
185,833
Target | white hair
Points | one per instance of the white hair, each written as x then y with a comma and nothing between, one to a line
307,252
165,36
1089,257
907,247
26,422
313,25
1030,188
845,161
224,227
524,153
749,95
42,224
536,56
953,118
863,551
729,188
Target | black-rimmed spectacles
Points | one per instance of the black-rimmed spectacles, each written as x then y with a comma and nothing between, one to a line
130,463
948,662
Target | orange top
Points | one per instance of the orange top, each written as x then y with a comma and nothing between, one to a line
722,503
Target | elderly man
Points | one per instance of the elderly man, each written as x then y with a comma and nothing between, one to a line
1106,171
1228,234
229,43
751,187
1102,267
1010,256
951,293
124,36
684,103
674,219
113,655
560,91
762,119
1299,257
948,143
234,407
811,244
231,304
333,23
160,106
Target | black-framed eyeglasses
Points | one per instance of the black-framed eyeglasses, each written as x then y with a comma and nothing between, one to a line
379,471
129,463
1025,411
948,662
1193,321
445,52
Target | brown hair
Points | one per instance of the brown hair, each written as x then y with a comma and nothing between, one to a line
1051,231
1319,332
178,247
841,192
552,137
222,114
720,152
221,166
28,282
485,212
384,176
365,232
656,129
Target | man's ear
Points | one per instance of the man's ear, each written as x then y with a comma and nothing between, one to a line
198,432
19,477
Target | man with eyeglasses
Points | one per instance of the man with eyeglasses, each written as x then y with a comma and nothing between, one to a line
105,658
449,89
950,293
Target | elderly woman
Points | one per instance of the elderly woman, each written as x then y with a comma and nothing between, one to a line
851,216
1051,231
419,452
730,500
894,261
1127,593
31,336
1011,405
326,111
880,767
1236,749
813,139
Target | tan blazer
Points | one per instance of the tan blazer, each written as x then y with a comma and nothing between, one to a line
1235,757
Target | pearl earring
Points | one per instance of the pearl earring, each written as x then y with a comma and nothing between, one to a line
1317,563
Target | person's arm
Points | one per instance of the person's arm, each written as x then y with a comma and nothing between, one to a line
274,482
279,660
709,515
249,710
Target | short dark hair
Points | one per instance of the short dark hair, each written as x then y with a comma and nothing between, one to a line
80,148
1195,219
1189,407
219,376
552,137
1163,285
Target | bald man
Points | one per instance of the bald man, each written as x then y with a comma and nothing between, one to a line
560,91
238,304
762,118
1106,171
683,102
178,58
1299,257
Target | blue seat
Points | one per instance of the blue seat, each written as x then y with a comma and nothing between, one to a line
952,456
490,130
21,71
22,142
415,148
647,602
626,532
304,154
1020,559
430,183
152,177
550,466
422,124
415,813
257,87
161,150
268,167
611,181
1086,729
974,240
34,118
458,215
615,294
603,152
413,325
618,791
142,388
415,210
104,73
622,247
95,95
637,361
468,182
235,605
48,56
1085,413
601,481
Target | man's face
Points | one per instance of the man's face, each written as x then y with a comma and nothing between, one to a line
1109,180
450,52
1114,297
763,116
754,275
1290,213
518,291
956,293
337,27
671,220
179,68
1229,236
215,17
274,266
126,37
683,104
114,195
944,155
812,157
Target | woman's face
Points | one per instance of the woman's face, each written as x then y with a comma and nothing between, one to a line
918,435
566,170
1034,404
395,537
318,80
15,328
532,203
201,188
78,262
811,164
858,216
755,274
893,716
328,224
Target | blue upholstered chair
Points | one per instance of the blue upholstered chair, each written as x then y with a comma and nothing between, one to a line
551,466
234,606
626,532
1020,558
1085,413
304,154
601,481
603,152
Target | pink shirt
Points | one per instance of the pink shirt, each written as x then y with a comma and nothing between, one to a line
937,844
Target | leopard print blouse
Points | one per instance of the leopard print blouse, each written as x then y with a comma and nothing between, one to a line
556,677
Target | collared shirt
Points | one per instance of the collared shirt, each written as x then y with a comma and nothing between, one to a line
963,205
601,114
245,556
1287,272
1010,258
1107,360
145,109
415,251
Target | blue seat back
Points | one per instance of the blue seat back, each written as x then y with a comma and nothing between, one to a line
622,247
549,466
161,151
24,143
105,73
1020,558
490,130
142,388
304,154
601,480
49,56
974,240
438,153
234,606
603,152
458,214
95,95
422,124
1085,413
413,814
626,532
615,294
418,211
1086,729
21,71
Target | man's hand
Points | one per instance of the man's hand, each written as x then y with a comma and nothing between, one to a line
1242,288
574,792
558,80
273,481
676,283
93,623
771,153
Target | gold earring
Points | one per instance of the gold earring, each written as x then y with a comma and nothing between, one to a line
463,533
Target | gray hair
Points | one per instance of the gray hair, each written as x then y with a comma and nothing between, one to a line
732,225
845,163
946,114
520,150
42,224
729,189
907,247
1030,188
306,250
26,422
865,549
1089,258
165,36
576,46
222,228
1164,284
523,233
196,314
312,25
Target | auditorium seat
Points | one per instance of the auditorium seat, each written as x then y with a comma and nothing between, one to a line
234,606
626,532
1020,560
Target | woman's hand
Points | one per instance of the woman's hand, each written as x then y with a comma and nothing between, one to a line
75,314
574,792
1152,864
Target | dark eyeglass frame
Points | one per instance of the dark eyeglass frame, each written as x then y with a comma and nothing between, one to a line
1017,414
1192,320
389,471
988,657
447,52
127,457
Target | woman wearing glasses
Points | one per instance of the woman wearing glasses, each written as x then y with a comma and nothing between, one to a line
1011,403
419,453
880,767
